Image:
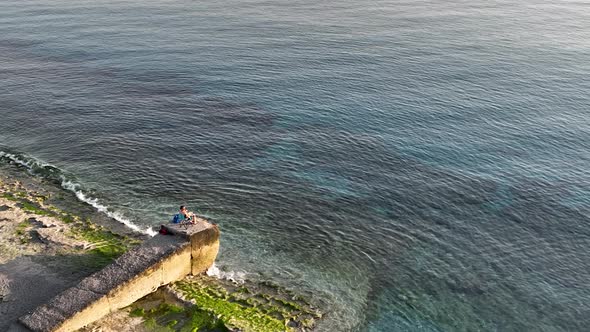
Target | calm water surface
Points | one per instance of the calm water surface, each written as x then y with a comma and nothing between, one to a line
415,165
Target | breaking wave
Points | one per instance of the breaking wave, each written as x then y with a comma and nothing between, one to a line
238,277
49,172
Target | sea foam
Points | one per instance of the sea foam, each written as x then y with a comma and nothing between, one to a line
235,276
38,168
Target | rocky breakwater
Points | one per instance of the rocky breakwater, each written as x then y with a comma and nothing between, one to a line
158,261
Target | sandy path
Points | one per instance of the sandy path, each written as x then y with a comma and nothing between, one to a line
29,284
31,272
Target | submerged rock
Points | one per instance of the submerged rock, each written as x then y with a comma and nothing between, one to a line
248,306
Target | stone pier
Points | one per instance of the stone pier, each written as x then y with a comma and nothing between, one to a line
160,260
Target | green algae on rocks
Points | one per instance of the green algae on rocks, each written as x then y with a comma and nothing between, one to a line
102,244
207,304
159,312
248,307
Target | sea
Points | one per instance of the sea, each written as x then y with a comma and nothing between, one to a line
409,165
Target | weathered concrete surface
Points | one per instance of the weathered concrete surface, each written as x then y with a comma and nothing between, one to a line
204,239
157,262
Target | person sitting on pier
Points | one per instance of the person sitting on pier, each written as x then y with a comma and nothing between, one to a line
184,216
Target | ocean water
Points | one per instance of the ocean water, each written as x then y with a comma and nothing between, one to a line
410,165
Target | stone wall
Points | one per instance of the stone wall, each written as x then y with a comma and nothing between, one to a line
163,259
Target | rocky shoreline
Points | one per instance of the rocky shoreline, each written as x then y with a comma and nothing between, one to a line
49,241
44,247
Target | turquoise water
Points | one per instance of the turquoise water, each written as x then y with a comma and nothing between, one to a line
413,165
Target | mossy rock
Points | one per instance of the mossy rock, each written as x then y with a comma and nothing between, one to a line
253,307
171,317
10,197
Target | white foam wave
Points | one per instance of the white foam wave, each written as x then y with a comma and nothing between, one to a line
28,164
235,276
75,188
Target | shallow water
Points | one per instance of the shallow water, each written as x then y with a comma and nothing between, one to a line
416,165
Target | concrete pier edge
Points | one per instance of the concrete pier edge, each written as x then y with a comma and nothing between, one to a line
184,250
